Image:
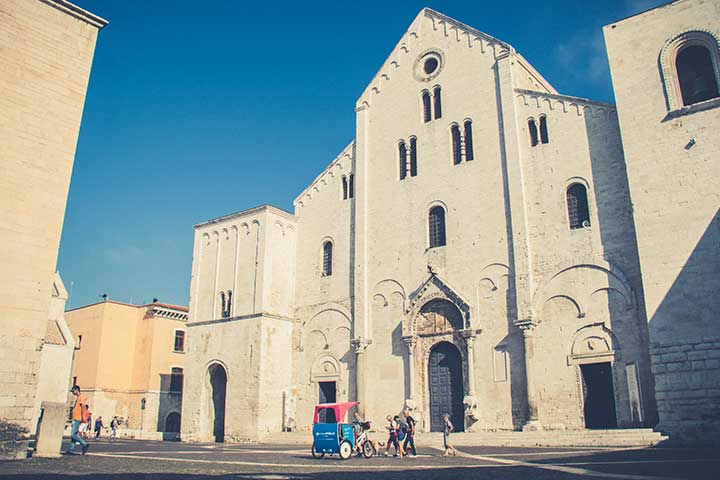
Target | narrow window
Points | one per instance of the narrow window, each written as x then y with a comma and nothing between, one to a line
179,341
436,224
351,186
533,132
74,381
413,156
176,379
228,306
79,341
469,155
577,205
456,147
696,74
222,308
543,129
327,259
345,187
427,114
402,154
438,102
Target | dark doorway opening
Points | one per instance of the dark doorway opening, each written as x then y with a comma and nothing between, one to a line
445,379
172,423
599,395
218,384
327,394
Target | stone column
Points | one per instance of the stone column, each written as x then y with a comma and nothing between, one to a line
469,336
360,345
411,343
528,329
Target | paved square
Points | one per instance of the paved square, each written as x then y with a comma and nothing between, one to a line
126,459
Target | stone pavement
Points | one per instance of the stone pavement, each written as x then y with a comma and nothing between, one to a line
140,459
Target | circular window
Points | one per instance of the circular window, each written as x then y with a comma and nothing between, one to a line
428,65
431,64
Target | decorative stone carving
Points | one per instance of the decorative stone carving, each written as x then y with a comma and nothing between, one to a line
360,344
471,407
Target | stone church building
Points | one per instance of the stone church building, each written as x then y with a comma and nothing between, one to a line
482,248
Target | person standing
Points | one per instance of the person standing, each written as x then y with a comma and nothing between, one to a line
99,425
447,430
76,413
410,434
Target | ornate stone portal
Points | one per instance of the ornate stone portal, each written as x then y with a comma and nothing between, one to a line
437,314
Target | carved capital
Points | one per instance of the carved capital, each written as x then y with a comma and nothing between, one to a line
410,343
527,325
360,344
469,334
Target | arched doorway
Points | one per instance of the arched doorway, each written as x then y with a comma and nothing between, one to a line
172,422
445,385
218,386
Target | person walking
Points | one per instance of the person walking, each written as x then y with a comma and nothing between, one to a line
392,437
447,430
113,428
76,414
99,425
409,434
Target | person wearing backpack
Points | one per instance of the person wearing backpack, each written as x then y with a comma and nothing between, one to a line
447,430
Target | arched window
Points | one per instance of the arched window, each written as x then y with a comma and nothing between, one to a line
696,74
437,97
469,155
222,301
402,154
533,132
345,187
427,114
543,129
577,206
351,186
176,379
327,258
228,307
413,156
456,144
436,226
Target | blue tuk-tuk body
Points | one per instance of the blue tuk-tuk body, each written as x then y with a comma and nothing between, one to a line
335,437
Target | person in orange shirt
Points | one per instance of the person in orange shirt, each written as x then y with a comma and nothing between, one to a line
77,418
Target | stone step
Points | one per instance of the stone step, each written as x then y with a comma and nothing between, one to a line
637,437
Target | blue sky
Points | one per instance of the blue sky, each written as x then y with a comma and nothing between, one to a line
199,109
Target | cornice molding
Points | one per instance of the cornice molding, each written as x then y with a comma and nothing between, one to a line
77,12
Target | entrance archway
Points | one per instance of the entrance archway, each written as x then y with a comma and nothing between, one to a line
172,422
445,385
218,387
599,396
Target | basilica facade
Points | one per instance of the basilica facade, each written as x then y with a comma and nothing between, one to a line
473,251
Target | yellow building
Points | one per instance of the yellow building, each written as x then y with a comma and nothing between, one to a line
130,362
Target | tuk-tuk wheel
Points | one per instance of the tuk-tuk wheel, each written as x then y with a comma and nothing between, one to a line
345,450
315,453
368,450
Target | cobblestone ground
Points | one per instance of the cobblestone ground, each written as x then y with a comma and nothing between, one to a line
135,459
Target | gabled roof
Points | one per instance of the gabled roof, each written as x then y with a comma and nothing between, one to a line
53,334
463,32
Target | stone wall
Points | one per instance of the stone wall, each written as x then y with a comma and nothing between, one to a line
44,83
671,153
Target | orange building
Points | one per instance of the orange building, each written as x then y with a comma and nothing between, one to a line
130,362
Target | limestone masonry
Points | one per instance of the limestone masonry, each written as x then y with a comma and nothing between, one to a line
46,51
486,247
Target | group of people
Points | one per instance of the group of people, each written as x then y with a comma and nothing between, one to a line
82,423
401,434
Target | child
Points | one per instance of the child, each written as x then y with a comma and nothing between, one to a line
447,430
393,437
